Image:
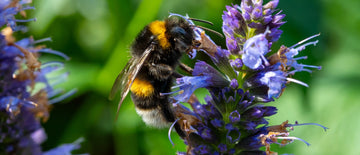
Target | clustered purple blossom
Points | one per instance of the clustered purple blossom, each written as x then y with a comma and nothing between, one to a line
26,94
248,75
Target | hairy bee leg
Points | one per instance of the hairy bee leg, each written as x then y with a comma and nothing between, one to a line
160,71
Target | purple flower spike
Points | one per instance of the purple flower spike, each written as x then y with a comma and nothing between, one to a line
233,120
26,89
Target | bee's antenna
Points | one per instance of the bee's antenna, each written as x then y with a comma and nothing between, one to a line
210,30
200,20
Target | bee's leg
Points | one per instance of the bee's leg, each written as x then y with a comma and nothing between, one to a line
160,71
186,68
177,75
170,117
179,131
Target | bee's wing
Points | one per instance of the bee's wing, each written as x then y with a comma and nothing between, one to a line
122,79
127,76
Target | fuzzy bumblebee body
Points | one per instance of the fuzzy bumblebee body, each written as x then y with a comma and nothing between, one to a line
156,52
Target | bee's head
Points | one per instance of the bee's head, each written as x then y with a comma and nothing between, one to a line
180,34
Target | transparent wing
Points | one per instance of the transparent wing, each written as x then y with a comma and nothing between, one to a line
127,76
122,79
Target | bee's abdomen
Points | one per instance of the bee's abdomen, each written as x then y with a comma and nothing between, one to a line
154,108
153,117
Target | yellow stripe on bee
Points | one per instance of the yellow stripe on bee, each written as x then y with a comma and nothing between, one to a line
142,88
158,28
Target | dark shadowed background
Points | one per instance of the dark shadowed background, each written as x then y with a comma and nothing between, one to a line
96,35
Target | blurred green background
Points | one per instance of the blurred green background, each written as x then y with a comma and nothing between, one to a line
96,35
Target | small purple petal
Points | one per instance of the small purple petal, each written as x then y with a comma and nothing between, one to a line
234,117
202,149
237,63
233,134
222,148
217,123
255,49
272,4
234,84
256,13
65,149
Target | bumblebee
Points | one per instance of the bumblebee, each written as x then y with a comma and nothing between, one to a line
156,53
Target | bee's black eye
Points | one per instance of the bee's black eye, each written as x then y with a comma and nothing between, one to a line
177,32
180,38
